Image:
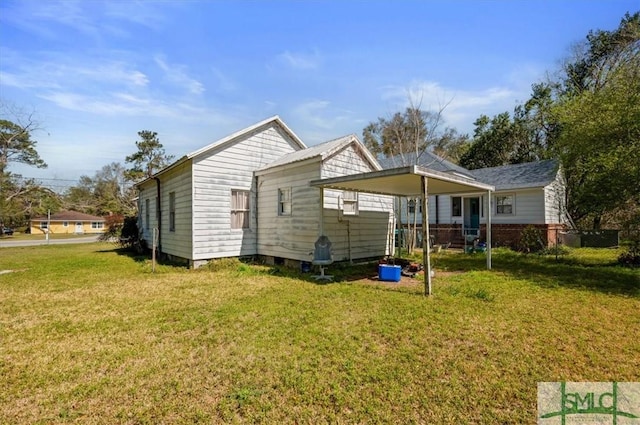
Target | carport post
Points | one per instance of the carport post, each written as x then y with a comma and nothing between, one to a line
488,230
426,256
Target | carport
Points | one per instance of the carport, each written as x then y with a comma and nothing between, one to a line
413,181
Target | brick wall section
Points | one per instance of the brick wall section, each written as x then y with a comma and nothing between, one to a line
501,234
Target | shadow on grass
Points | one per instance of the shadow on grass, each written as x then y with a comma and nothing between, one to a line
142,257
548,272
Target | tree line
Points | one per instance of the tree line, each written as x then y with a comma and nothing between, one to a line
587,115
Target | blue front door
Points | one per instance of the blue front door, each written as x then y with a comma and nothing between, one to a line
474,213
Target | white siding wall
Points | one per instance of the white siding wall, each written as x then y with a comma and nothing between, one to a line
179,241
532,206
368,234
293,236
215,174
554,195
289,236
147,193
176,243
529,207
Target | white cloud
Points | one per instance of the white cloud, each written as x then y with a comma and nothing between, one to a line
300,61
460,108
57,72
177,75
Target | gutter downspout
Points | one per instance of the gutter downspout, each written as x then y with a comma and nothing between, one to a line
256,215
159,213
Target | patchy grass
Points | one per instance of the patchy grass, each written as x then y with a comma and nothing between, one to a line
89,334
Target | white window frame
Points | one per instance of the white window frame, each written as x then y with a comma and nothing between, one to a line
512,204
284,201
411,205
237,210
172,211
44,225
65,224
350,204
97,225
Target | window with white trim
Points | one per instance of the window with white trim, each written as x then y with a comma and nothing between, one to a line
505,204
456,206
349,203
65,224
44,225
97,225
240,209
411,206
172,211
284,201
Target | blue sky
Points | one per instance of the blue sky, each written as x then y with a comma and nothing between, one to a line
97,72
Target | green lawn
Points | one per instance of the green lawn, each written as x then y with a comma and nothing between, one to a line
90,335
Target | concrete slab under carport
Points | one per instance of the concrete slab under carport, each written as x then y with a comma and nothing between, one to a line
412,181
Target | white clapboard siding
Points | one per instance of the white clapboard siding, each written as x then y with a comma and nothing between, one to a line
177,242
554,196
147,192
289,236
217,172
366,234
294,236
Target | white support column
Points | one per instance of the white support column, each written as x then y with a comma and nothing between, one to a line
488,230
426,254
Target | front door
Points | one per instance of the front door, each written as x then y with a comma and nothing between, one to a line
471,216
79,227
474,213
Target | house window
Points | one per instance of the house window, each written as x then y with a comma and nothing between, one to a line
97,225
456,206
284,201
44,225
65,224
412,206
146,214
172,211
350,203
504,204
239,209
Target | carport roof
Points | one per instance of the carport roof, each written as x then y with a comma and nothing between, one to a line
403,181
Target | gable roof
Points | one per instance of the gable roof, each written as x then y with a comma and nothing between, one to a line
515,176
324,151
69,216
230,139
427,160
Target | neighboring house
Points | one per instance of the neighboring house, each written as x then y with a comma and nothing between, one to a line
525,194
67,222
248,194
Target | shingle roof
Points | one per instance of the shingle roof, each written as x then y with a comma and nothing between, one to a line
513,176
70,216
427,160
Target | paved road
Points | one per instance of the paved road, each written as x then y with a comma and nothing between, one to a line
7,243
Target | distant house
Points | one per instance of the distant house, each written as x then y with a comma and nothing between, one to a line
525,194
67,222
248,194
